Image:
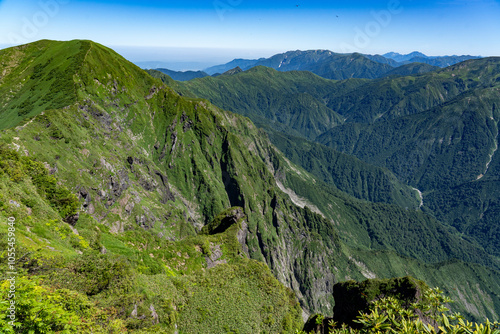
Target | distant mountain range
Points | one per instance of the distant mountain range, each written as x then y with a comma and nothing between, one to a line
183,75
398,57
324,63
330,65
419,57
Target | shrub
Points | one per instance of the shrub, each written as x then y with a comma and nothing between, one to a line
430,316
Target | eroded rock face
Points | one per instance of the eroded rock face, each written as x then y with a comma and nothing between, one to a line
72,219
214,258
353,297
242,237
224,221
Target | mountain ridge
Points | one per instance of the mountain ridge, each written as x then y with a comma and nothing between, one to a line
322,62
183,75
451,83
151,167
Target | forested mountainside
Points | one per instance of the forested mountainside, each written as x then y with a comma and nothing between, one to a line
437,132
324,63
161,212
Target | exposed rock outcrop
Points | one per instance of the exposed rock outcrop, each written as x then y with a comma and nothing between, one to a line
353,297
224,221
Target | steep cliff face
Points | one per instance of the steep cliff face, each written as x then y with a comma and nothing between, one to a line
150,165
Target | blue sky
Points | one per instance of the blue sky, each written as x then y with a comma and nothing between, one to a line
212,31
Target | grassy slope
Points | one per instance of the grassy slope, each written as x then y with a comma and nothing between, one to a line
182,292
150,165
36,78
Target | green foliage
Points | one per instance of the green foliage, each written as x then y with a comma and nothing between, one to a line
93,273
319,319
430,315
40,309
473,208
36,310
17,167
244,298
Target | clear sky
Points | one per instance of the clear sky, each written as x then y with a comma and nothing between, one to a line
219,30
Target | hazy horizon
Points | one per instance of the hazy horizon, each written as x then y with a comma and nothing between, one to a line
196,59
215,32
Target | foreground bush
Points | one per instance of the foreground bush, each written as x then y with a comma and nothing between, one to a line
429,316
40,309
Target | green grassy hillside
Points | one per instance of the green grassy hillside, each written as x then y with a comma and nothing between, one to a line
96,279
37,77
155,173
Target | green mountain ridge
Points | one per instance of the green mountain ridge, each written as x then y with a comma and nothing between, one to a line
250,93
292,99
324,63
412,69
400,123
183,75
21,93
151,168
394,97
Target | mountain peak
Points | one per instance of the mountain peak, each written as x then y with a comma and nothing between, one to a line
233,71
66,69
404,57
